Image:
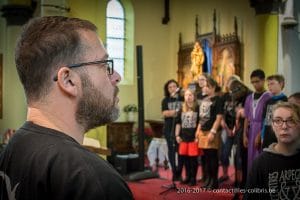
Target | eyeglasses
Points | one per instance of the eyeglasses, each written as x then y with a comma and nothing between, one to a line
109,64
279,122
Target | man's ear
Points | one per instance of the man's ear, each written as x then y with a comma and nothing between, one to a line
68,81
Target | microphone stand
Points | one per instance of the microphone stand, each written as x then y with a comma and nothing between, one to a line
173,186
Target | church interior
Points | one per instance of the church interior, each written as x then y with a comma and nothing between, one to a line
236,36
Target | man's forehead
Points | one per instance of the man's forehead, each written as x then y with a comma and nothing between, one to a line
94,44
90,37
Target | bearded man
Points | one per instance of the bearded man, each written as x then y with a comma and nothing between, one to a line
70,87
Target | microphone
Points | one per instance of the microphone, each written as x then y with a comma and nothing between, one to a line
176,91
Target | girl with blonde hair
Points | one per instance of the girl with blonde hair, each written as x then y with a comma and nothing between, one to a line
186,126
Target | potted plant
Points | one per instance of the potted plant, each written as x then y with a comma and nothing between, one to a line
130,109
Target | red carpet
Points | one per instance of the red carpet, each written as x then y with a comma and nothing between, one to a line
151,188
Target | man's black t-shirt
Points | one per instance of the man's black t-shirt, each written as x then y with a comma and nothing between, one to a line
42,163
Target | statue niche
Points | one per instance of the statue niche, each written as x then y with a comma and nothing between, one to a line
197,60
226,59
217,55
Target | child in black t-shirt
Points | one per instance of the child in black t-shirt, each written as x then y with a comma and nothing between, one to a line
210,113
200,96
275,86
275,172
228,127
186,126
239,92
170,105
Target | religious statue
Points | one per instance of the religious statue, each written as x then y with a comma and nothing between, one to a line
197,59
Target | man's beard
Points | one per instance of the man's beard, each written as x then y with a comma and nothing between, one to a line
94,109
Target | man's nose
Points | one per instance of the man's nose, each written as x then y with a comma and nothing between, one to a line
115,78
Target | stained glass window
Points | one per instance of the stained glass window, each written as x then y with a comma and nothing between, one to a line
115,34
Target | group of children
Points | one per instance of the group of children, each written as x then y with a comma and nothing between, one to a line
242,117
196,126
